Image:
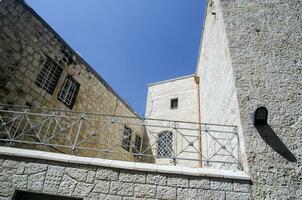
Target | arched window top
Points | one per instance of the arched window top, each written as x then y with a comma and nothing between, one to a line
164,144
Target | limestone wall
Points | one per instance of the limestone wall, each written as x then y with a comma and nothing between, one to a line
256,46
25,42
95,182
158,106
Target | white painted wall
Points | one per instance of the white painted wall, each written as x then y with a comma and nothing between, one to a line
158,106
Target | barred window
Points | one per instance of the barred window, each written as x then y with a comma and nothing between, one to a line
69,92
174,103
164,144
127,138
137,144
49,75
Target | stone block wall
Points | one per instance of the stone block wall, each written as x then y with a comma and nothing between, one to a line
258,56
25,43
95,183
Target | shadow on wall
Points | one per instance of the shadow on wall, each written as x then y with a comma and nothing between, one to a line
270,137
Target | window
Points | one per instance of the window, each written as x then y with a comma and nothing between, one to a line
69,92
164,144
137,144
49,75
127,138
22,195
174,103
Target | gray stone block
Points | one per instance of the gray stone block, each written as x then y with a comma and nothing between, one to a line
106,174
186,193
90,176
20,181
145,191
164,192
33,168
156,179
200,183
177,181
6,189
67,185
120,188
77,174
133,177
82,189
211,194
36,181
241,186
101,186
53,179
237,196
221,184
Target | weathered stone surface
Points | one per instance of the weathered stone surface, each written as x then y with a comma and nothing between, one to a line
101,186
82,189
113,197
53,179
237,196
221,184
177,182
33,168
157,179
106,174
241,186
77,174
11,164
93,196
21,168
200,183
145,191
90,176
186,193
120,188
36,181
132,177
67,185
20,181
6,189
211,194
164,192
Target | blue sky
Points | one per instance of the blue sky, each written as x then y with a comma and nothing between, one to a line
130,43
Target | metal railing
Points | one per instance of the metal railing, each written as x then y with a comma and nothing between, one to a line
121,137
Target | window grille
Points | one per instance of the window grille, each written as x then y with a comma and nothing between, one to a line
49,76
137,144
164,144
69,92
127,138
174,103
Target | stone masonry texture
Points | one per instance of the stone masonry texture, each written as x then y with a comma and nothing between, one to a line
26,41
259,51
72,180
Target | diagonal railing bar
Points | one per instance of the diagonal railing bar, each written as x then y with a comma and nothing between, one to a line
101,135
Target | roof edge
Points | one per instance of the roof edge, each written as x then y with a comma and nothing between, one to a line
171,80
60,39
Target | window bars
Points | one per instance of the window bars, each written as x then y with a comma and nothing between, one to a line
105,136
49,75
69,92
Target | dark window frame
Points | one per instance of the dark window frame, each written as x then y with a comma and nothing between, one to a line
137,144
49,75
174,103
30,195
127,136
69,99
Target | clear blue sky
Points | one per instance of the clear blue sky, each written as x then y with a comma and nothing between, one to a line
130,43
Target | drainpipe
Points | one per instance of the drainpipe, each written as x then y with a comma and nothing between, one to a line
197,81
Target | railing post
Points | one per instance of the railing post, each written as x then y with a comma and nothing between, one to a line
239,167
82,117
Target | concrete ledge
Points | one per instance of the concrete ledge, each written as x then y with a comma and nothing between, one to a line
146,167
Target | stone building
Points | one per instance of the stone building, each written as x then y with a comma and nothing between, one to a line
250,57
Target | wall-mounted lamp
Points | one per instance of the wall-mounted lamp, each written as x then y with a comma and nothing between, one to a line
260,116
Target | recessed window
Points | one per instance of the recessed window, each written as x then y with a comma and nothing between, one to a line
69,92
137,144
164,144
22,195
49,75
127,138
174,103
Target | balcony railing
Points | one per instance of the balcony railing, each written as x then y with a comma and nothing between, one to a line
121,137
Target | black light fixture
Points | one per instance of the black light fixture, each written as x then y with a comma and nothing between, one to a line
260,116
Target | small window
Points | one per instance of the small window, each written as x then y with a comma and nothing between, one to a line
69,92
127,138
49,76
174,103
137,144
164,144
